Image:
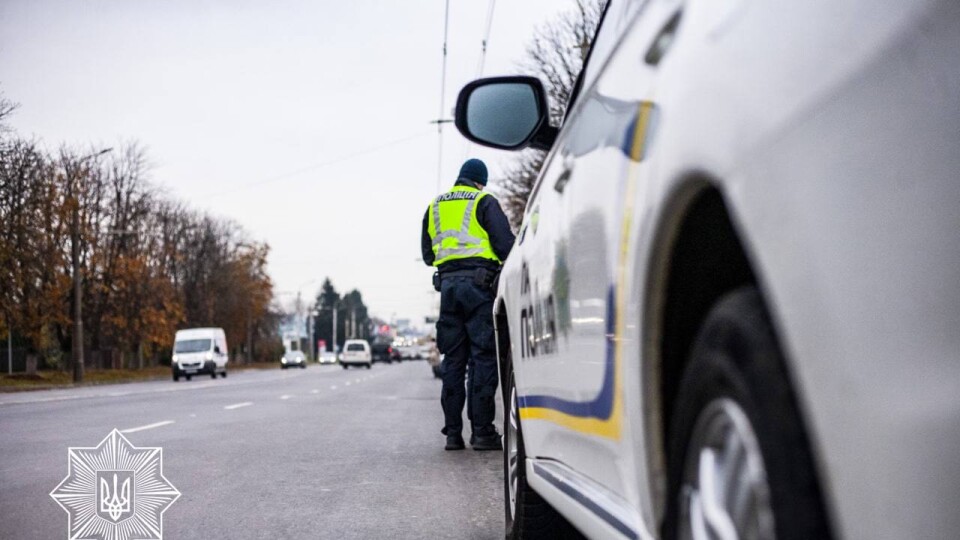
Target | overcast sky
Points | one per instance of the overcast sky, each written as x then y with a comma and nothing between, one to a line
305,121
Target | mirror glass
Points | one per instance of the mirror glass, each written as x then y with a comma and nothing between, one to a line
503,113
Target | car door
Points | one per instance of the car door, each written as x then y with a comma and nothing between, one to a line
591,196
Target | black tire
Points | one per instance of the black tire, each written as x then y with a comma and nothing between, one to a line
303,366
369,365
176,378
736,356
533,518
189,377
224,374
213,375
345,366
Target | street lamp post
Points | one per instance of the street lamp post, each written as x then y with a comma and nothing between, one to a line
313,341
9,348
334,334
77,341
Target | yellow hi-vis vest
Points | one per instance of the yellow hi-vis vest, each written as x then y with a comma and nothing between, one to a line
454,229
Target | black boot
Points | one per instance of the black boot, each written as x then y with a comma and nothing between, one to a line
454,442
486,442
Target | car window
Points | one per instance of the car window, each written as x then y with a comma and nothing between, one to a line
616,19
294,346
356,347
191,345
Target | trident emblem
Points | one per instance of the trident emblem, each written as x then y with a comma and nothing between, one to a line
115,502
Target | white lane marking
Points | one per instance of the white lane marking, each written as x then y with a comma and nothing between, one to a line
148,426
193,415
333,387
314,391
163,390
238,405
346,383
286,396
356,381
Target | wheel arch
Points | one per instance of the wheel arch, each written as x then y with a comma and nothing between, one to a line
501,325
697,256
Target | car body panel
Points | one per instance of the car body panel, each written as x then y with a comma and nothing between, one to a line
832,133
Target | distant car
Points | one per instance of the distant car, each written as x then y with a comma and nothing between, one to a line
199,351
327,357
293,359
292,352
356,352
381,350
408,352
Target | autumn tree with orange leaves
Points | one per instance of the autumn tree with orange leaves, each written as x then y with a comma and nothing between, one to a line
149,265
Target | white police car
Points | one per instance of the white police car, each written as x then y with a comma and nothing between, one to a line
732,309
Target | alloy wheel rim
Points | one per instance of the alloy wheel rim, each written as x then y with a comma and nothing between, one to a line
513,452
725,494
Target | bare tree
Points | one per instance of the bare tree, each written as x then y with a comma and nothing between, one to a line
556,55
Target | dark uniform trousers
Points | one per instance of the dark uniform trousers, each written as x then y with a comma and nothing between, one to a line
465,337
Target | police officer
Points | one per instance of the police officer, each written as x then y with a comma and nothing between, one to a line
466,236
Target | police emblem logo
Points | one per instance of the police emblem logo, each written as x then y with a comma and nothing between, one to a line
115,491
115,500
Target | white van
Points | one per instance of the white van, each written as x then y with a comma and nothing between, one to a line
199,351
356,352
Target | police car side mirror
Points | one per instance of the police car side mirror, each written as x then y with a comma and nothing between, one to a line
508,113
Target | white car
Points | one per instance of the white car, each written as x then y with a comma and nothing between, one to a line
292,355
356,352
293,359
327,357
733,306
199,351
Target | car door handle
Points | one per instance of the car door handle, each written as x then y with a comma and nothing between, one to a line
564,176
664,40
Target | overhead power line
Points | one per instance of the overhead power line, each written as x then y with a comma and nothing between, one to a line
486,38
322,164
482,60
443,91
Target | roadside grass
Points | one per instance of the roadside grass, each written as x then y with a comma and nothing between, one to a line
46,380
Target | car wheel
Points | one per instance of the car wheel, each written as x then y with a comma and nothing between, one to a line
224,374
176,378
189,377
213,375
369,365
436,372
527,515
739,464
344,366
303,366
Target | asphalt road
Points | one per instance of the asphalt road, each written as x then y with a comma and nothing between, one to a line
315,453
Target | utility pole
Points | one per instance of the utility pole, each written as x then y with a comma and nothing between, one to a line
313,341
77,341
334,335
9,348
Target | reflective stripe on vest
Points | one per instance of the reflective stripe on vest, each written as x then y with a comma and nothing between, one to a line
469,240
